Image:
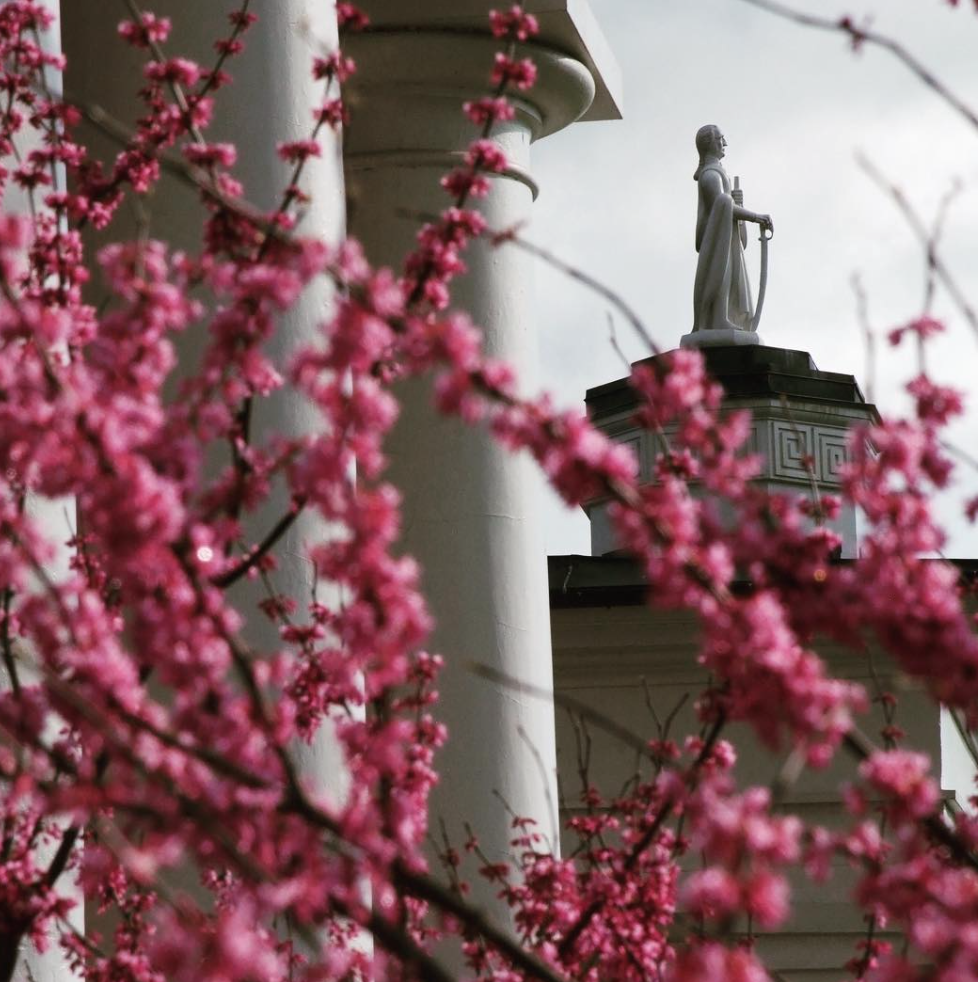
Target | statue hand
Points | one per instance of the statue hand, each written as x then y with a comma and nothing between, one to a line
766,223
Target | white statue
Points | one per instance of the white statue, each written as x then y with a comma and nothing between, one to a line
721,293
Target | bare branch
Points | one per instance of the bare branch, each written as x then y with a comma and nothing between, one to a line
176,89
934,239
511,236
263,548
860,35
581,709
862,315
926,239
189,174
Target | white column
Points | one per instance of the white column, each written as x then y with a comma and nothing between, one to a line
58,515
271,100
471,508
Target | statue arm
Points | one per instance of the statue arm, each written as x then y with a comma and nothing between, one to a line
743,215
712,187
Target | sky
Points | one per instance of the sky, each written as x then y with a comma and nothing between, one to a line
796,106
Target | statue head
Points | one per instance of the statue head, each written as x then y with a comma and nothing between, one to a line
709,142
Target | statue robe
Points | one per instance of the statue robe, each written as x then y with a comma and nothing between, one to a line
721,292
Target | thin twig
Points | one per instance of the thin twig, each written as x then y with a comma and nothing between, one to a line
6,645
254,557
545,776
511,237
424,888
581,709
860,35
176,89
808,461
934,239
862,316
648,837
211,78
923,235
967,736
188,174
960,453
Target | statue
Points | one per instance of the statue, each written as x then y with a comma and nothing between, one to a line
722,299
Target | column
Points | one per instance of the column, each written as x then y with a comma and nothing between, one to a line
59,516
471,508
271,100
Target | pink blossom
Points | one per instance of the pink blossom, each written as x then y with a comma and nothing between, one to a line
336,65
177,661
513,23
924,327
179,71
489,110
486,155
509,71
149,29
902,775
212,154
299,150
709,961
350,18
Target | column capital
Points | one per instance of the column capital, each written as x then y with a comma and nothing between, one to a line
567,27
428,74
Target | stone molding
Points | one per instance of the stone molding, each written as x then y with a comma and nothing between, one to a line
442,162
430,73
566,26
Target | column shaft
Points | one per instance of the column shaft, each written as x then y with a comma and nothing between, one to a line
471,508
271,100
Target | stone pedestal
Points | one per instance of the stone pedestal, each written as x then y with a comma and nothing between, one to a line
719,339
471,510
799,414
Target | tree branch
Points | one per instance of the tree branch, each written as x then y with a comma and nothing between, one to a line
865,35
262,549
927,239
862,748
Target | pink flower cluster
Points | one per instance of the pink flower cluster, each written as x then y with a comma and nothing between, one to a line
161,687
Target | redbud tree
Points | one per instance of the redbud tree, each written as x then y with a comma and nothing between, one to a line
148,764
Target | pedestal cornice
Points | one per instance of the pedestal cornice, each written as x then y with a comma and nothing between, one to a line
751,372
800,425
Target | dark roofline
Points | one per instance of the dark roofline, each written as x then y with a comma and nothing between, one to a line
617,581
595,581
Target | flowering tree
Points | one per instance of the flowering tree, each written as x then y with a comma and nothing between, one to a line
142,733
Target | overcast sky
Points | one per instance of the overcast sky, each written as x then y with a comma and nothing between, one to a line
796,105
